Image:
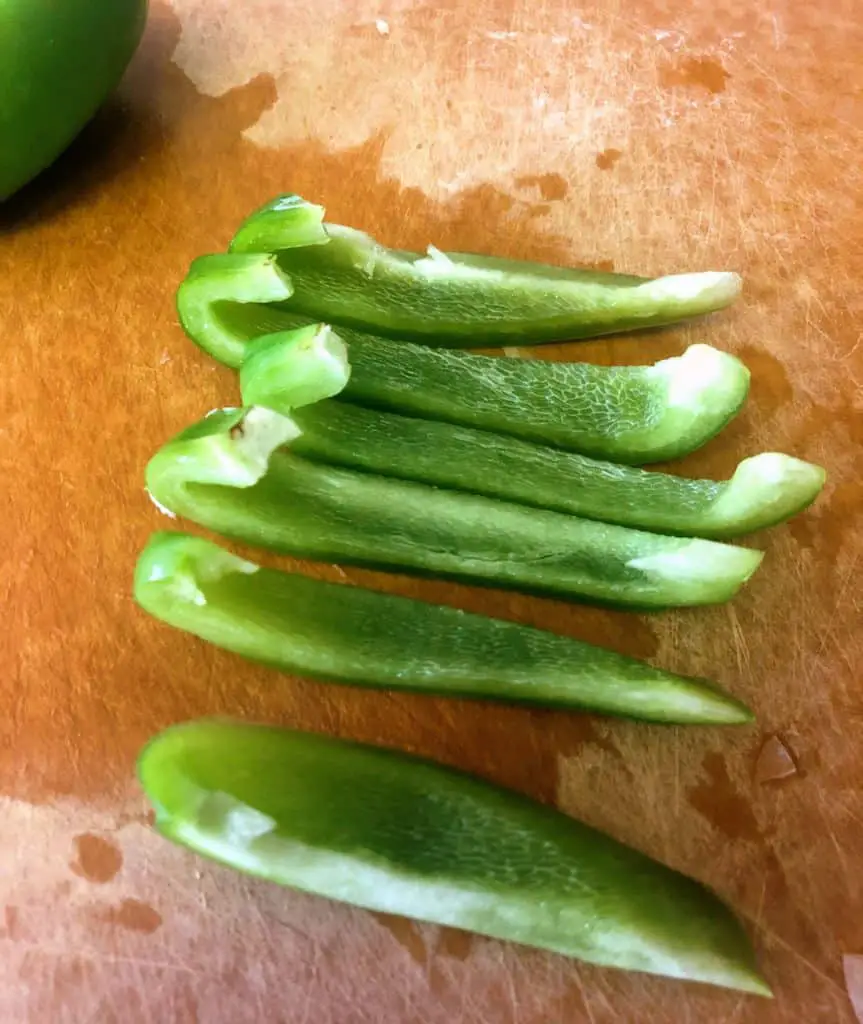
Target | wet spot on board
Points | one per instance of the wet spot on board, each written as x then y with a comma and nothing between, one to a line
827,532
852,969
771,387
11,924
453,947
146,817
608,158
97,859
406,934
133,915
178,150
717,800
805,531
538,209
696,72
552,186
774,762
454,943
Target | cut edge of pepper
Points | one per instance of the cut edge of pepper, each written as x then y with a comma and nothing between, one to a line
295,368
705,388
243,278
228,448
177,563
764,490
286,222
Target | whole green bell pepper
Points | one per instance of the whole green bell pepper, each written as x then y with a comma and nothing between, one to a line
58,62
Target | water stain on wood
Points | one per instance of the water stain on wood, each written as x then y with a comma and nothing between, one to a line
133,915
771,387
453,947
406,934
698,72
11,926
718,800
840,514
552,186
454,943
608,158
97,859
157,165
607,266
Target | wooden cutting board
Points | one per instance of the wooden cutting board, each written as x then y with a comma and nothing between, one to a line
649,137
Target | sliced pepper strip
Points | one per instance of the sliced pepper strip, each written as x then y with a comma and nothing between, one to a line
627,414
394,833
231,473
308,364
215,287
353,635
465,300
632,414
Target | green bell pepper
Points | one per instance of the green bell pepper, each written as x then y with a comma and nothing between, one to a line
59,59
632,414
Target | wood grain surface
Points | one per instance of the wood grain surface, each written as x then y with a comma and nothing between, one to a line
650,136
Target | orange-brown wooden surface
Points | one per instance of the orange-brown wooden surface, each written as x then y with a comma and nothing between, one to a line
651,136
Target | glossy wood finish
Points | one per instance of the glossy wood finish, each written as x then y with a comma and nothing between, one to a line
651,136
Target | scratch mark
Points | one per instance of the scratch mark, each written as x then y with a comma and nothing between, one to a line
108,958
577,975
846,871
741,647
513,996
759,913
310,989
774,937
853,349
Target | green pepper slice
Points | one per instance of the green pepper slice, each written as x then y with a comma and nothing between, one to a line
232,473
290,372
354,635
393,833
59,60
462,300
631,414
